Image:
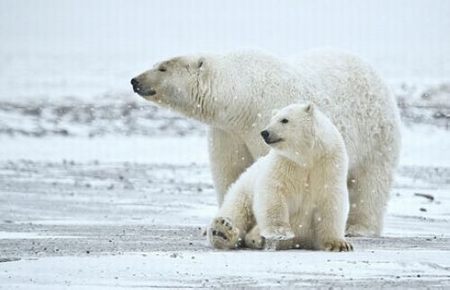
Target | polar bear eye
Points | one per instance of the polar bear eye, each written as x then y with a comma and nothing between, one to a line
284,121
162,69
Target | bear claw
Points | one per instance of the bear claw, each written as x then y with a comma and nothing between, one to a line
338,246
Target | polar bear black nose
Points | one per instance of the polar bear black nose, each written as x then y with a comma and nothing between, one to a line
135,84
265,134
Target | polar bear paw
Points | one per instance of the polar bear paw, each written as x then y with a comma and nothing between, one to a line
223,235
254,240
278,238
359,231
338,246
278,233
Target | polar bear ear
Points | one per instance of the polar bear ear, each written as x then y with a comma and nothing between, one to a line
310,108
200,62
274,112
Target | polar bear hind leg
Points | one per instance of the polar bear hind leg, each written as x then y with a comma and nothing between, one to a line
369,193
234,219
253,239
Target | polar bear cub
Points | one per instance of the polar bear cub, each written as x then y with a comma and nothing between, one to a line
294,197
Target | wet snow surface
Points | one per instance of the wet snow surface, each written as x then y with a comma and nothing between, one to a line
121,199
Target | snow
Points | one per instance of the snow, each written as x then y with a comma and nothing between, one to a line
21,235
187,269
48,53
425,146
416,150
69,202
138,149
99,189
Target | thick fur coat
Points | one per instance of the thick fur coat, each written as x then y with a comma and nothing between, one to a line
235,94
296,195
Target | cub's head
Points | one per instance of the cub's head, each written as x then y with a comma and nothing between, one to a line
175,83
291,129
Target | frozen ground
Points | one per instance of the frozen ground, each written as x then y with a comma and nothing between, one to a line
103,224
120,200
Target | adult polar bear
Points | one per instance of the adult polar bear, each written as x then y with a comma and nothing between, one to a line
235,94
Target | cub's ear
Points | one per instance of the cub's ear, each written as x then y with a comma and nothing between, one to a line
310,108
274,112
200,62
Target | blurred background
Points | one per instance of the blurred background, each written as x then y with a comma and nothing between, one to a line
65,70
65,66
85,49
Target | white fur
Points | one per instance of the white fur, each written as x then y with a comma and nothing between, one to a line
235,94
297,193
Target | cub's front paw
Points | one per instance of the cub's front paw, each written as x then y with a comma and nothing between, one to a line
278,233
223,235
278,238
337,246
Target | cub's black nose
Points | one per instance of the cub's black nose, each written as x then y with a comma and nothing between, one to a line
135,84
265,134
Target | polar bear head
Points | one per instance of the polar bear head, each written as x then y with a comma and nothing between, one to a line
175,83
291,130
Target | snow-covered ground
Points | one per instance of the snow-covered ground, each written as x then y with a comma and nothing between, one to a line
128,212
100,189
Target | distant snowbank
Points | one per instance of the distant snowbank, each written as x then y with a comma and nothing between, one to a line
422,145
159,150
425,146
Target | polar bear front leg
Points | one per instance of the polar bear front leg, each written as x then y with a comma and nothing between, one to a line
272,216
369,188
330,233
329,222
229,157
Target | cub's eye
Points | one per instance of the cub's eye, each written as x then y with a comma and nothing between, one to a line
284,121
162,69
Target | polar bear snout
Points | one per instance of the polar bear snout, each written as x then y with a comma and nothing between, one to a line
135,84
270,138
139,89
